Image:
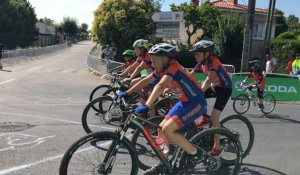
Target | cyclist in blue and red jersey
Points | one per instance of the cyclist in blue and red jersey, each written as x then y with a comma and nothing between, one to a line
217,83
259,81
192,103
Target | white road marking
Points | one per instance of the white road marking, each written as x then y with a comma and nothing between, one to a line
17,168
56,119
10,80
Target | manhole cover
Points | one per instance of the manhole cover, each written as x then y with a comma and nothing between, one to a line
14,126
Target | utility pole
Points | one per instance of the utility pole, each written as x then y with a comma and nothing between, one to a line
269,27
248,35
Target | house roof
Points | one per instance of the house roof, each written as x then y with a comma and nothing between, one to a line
239,7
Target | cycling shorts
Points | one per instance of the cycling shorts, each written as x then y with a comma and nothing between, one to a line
221,94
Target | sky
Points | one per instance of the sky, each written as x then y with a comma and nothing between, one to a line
83,10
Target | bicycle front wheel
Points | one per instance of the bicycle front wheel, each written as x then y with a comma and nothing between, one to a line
98,92
269,104
100,153
93,121
241,104
209,164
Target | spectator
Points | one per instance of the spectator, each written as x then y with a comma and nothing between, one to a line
269,64
274,61
296,65
107,54
1,47
289,68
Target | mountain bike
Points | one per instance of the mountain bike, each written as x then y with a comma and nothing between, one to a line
114,112
241,103
120,157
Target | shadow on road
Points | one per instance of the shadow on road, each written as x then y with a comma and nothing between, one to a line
250,169
281,118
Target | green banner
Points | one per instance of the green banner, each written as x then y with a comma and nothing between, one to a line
282,87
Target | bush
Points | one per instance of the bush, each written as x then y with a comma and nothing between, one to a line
283,50
287,36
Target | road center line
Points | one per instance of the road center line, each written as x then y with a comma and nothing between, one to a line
56,119
10,80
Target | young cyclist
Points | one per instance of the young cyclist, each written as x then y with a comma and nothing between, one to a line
192,103
259,81
217,84
129,57
143,61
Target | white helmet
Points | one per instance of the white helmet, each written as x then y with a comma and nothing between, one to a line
141,43
163,49
203,46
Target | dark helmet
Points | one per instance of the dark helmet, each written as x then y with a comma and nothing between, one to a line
255,65
163,49
203,46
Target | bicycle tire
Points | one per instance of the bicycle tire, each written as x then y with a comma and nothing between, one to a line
93,138
137,135
244,99
92,95
274,102
84,120
204,141
245,149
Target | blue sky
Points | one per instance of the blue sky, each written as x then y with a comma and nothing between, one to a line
287,6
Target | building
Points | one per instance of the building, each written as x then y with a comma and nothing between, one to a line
46,36
259,28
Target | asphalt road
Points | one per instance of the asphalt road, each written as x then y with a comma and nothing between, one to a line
42,100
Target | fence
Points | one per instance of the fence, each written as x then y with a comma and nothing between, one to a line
33,52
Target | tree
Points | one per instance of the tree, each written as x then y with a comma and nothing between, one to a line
83,28
47,21
70,26
192,18
281,24
120,23
294,25
203,17
287,36
228,37
17,19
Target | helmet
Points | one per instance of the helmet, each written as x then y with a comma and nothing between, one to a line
203,46
129,53
163,49
254,65
141,43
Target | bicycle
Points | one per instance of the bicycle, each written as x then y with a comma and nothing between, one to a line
116,81
241,103
117,146
111,109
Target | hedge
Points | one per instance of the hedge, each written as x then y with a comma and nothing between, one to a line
283,50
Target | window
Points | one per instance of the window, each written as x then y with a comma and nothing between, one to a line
258,31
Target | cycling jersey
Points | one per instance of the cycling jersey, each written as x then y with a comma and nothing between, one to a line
221,78
259,79
129,63
183,84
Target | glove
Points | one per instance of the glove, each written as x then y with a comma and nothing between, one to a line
141,109
122,94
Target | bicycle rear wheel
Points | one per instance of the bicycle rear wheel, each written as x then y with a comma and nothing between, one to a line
269,104
87,156
208,164
241,104
242,129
